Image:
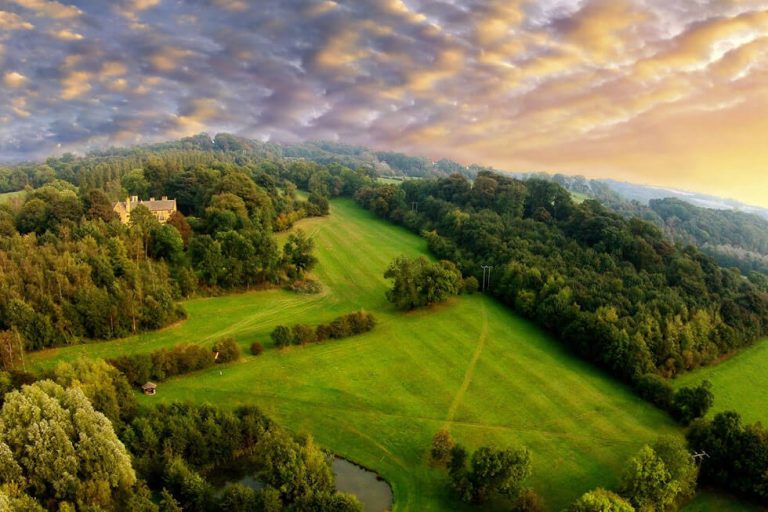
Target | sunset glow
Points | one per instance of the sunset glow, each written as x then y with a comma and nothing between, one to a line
650,91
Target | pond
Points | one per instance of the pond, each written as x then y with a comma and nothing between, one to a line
372,491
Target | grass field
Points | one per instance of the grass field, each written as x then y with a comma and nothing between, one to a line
378,398
739,383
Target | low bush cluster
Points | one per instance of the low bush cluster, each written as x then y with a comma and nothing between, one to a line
341,327
685,405
164,363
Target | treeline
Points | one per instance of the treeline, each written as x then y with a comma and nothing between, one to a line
733,238
166,363
340,327
615,290
111,455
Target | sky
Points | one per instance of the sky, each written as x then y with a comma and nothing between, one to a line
671,93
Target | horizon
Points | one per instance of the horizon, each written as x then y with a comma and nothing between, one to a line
672,97
550,172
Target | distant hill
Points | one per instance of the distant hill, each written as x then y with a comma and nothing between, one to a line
734,234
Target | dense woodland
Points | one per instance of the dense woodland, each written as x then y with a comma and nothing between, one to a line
69,270
615,290
733,238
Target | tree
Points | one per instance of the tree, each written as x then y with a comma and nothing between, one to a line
601,500
647,483
104,385
34,217
417,282
66,450
691,403
227,350
681,466
178,221
500,472
282,336
256,348
442,446
297,253
166,243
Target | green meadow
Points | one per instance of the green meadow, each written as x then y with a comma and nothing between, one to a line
739,383
470,365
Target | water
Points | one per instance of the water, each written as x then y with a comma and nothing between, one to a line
373,493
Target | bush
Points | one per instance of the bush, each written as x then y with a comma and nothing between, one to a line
303,334
227,349
163,363
470,285
442,446
655,389
281,336
692,403
306,286
256,348
528,501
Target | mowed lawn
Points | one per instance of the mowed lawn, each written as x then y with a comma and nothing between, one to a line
377,398
739,383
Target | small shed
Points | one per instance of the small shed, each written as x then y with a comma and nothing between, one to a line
150,388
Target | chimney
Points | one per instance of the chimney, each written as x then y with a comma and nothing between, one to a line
151,198
134,199
165,198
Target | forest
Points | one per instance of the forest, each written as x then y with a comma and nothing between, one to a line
70,271
614,289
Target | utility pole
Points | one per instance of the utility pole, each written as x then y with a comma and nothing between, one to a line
486,280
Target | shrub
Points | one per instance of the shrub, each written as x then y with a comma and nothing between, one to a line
442,446
282,336
303,334
227,349
256,348
528,501
470,285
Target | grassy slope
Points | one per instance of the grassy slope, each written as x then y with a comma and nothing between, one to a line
739,383
378,398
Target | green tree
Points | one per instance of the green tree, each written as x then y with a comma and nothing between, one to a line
282,336
228,350
297,253
501,472
690,403
601,500
66,450
648,484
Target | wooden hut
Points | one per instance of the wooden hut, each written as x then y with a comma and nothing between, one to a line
150,388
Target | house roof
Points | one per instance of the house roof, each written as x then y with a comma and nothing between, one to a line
159,204
149,385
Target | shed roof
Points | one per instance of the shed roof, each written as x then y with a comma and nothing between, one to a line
149,385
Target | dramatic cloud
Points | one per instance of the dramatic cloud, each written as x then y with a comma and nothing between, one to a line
673,93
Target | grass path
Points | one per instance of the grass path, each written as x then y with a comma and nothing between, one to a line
470,369
378,398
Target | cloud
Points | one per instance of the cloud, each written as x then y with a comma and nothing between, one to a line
14,79
12,21
50,8
75,84
600,87
67,35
